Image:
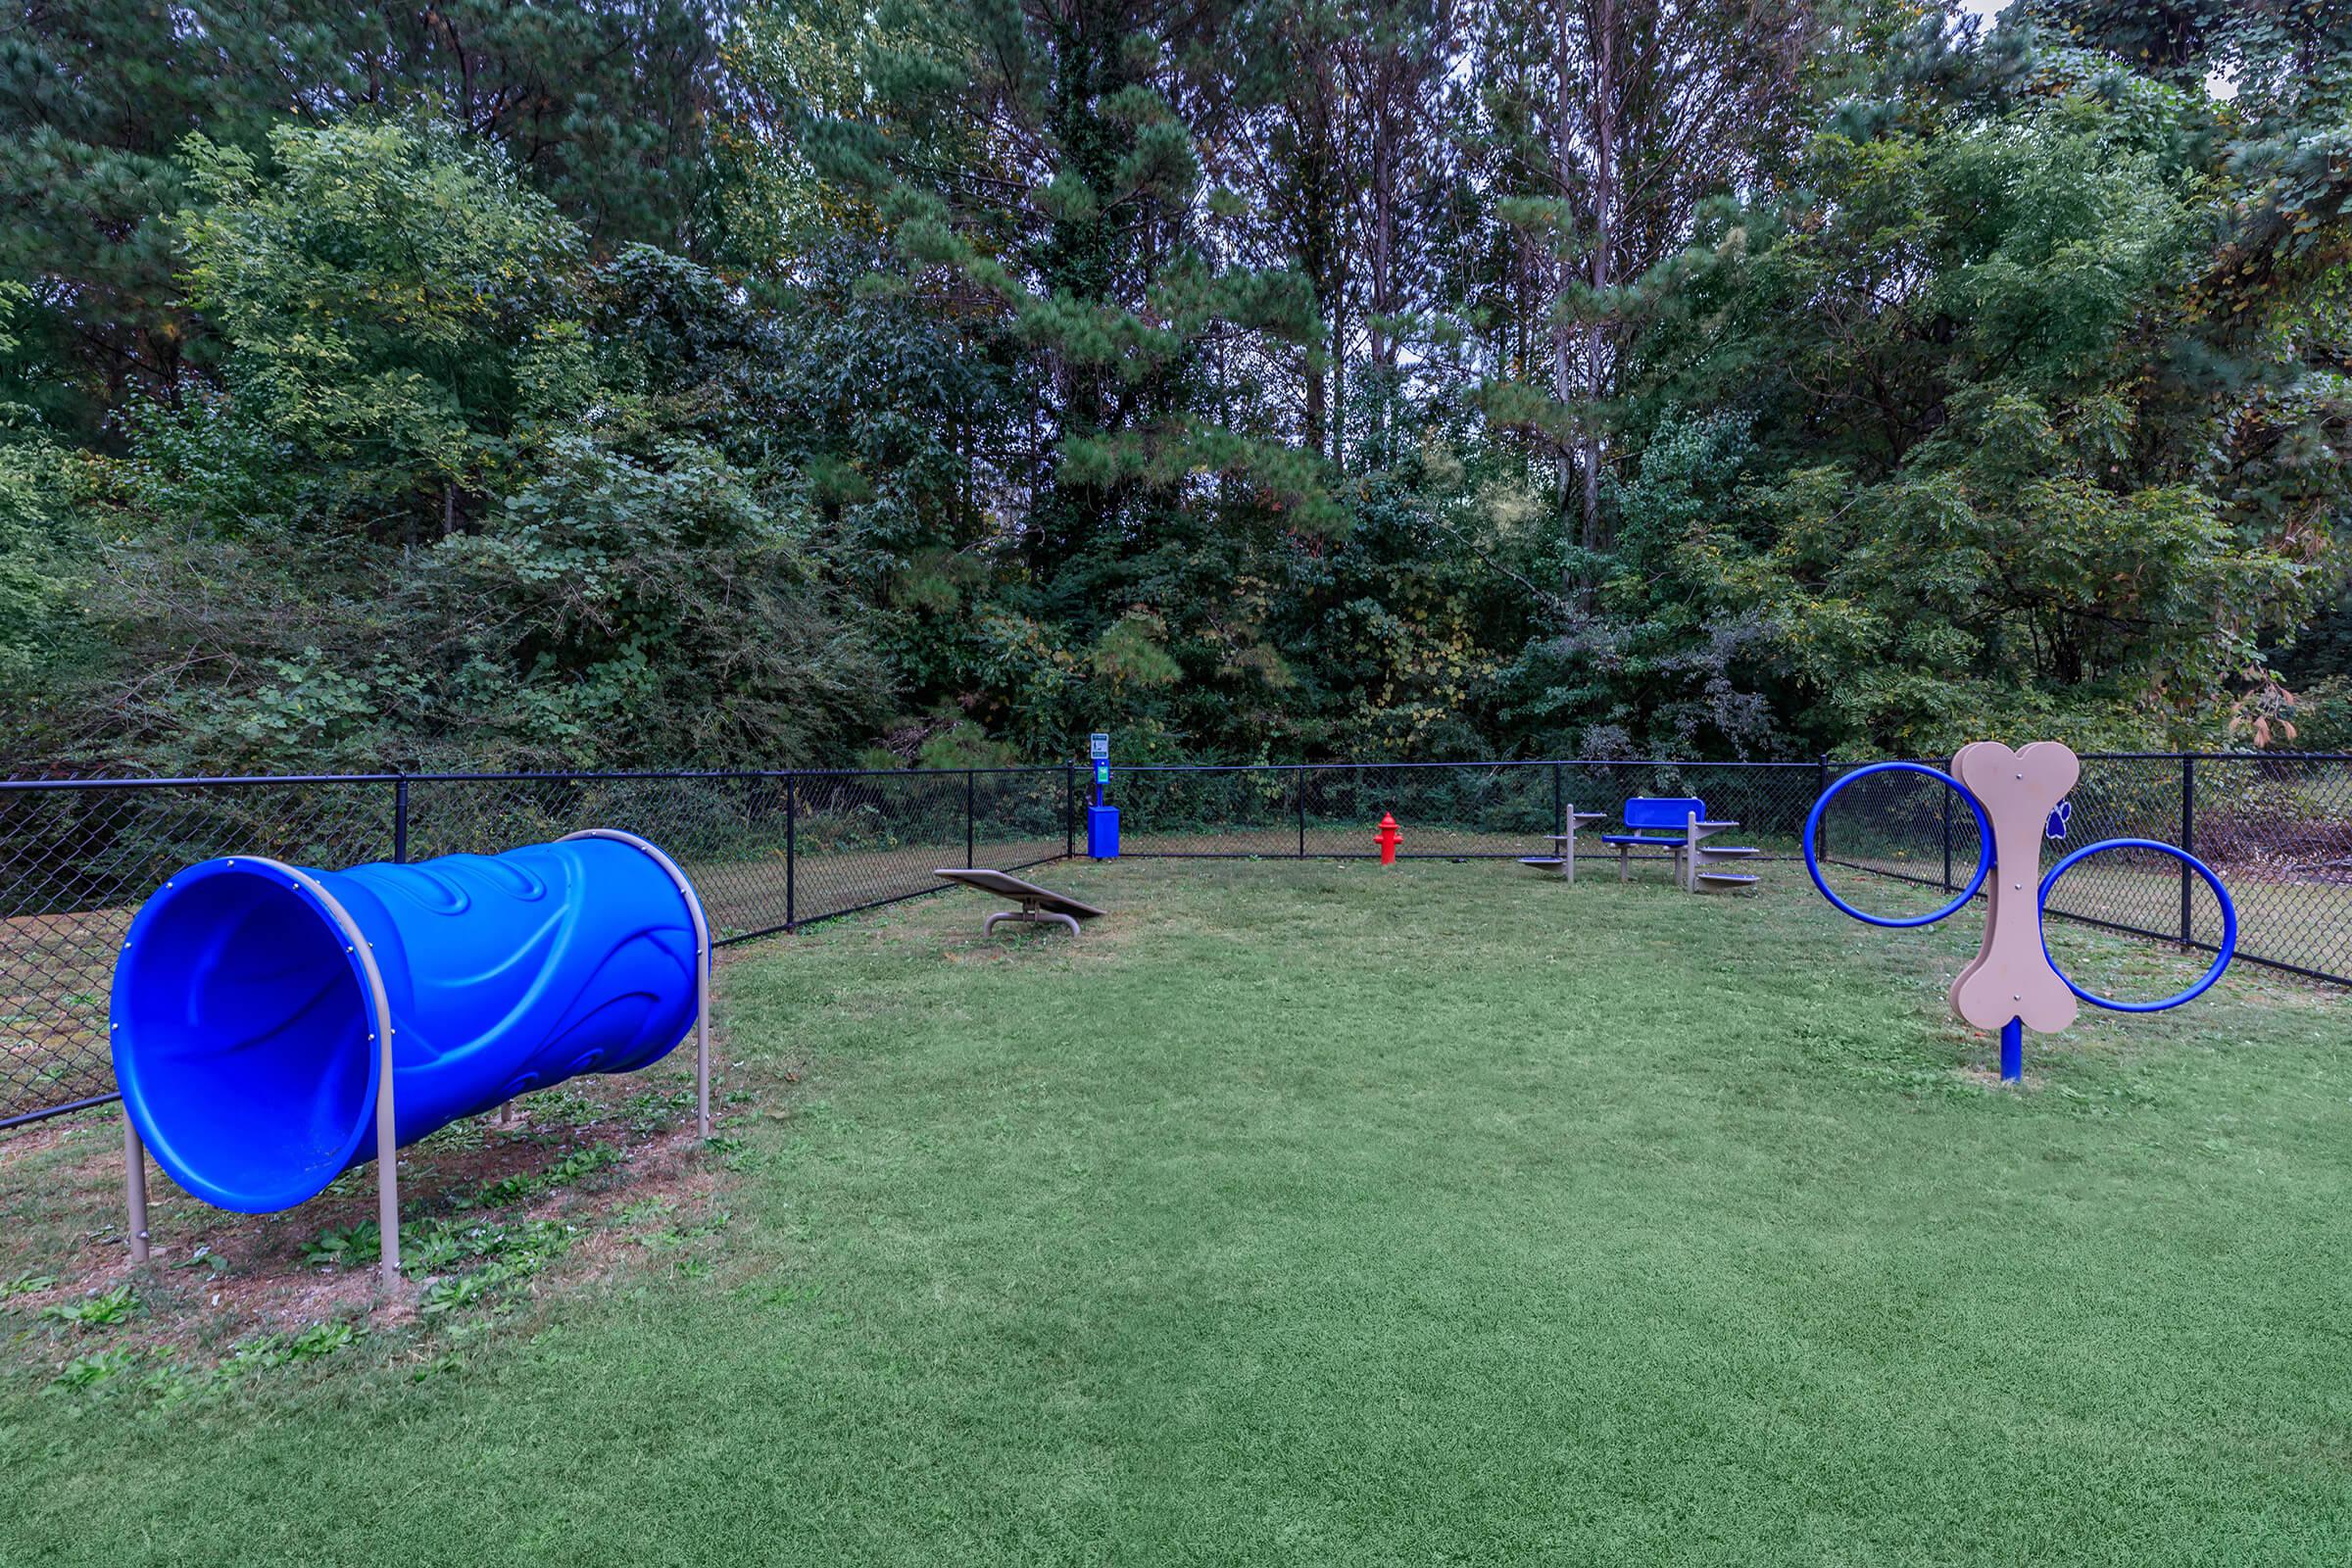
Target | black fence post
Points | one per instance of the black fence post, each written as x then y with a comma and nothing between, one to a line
1069,811
2189,833
400,820
1299,804
1947,841
1820,787
792,818
971,818
1560,801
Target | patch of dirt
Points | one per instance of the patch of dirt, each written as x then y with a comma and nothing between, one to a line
216,1279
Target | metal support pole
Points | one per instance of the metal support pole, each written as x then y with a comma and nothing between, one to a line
792,814
702,961
1299,804
972,821
134,1187
702,1036
2013,1051
2189,836
1820,787
388,1153
400,821
379,1013
1947,841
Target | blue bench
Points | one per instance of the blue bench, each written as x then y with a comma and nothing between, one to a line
1666,820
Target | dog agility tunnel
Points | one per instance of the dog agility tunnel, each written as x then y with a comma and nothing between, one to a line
244,1014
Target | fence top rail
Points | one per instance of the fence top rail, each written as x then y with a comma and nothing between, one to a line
575,777
1850,763
1056,769
11,785
2217,757
1525,762
29,786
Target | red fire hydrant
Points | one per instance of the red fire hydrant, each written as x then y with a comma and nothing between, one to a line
1387,838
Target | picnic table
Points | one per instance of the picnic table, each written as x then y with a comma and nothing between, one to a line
1657,814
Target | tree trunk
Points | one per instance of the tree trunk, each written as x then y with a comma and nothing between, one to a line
1339,383
1314,405
1604,204
1563,153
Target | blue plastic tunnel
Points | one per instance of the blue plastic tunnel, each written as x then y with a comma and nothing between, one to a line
243,1029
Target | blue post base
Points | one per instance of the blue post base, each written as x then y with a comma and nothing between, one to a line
1103,832
2013,1051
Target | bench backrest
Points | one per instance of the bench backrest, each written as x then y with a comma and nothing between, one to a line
1667,812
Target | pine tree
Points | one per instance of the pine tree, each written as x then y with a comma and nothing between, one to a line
605,108
1039,178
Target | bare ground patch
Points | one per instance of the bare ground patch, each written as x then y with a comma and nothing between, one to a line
500,1220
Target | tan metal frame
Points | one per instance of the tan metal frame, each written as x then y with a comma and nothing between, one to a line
387,1151
380,1008
1694,857
1574,819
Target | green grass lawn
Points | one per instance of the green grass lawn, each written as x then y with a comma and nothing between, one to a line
1316,1213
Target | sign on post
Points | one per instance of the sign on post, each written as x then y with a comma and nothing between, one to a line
1101,821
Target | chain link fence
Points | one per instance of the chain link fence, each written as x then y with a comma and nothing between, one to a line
2276,829
1448,810
767,851
774,850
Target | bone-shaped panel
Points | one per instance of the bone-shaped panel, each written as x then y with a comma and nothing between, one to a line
2011,976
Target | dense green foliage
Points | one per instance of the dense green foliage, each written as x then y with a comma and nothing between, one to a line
790,381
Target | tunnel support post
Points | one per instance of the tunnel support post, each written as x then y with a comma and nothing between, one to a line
702,961
387,1163
701,1037
134,1187
379,1015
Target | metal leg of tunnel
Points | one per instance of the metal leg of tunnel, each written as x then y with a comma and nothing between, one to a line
702,1040
134,1188
702,962
387,1167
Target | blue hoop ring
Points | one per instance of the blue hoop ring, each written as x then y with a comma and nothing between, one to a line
1984,842
2221,959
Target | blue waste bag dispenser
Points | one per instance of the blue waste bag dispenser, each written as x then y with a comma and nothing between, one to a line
1101,819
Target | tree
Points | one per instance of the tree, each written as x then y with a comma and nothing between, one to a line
1042,184
1612,122
1950,338
458,495
384,293
604,109
39,552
